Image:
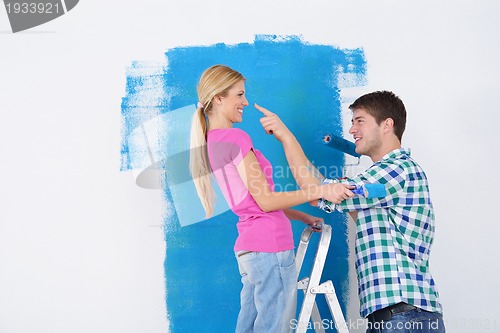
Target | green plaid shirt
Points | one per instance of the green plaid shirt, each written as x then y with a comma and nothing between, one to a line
394,236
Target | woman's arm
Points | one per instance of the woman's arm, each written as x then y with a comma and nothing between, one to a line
296,215
304,172
254,179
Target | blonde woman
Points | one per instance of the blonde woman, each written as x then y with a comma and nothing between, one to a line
264,247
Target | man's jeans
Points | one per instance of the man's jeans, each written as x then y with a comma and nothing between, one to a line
414,321
269,293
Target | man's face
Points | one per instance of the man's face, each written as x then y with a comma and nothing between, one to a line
366,132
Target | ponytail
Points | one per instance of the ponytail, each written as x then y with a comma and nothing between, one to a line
199,164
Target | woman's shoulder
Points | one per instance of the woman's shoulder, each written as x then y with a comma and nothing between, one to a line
232,130
228,144
233,134
239,132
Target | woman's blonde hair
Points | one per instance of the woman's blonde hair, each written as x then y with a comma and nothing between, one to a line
215,81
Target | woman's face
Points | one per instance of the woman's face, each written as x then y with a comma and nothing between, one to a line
234,102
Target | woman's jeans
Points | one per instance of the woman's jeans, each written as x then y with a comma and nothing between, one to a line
414,321
269,293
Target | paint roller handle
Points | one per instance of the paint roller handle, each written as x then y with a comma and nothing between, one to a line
359,190
373,190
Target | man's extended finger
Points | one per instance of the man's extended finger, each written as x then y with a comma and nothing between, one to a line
265,111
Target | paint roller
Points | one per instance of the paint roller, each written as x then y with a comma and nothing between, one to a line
374,190
368,190
341,144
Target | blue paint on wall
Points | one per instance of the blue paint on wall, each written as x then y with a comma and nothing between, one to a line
145,99
300,82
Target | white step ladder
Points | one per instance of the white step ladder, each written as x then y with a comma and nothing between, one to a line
311,286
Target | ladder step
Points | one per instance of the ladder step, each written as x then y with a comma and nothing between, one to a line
324,288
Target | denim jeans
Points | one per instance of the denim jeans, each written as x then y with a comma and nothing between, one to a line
269,293
414,321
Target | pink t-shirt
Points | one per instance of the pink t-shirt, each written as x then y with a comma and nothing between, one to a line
257,230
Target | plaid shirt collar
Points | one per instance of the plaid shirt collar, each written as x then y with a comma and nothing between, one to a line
396,153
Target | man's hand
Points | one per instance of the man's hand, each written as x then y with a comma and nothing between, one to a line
272,124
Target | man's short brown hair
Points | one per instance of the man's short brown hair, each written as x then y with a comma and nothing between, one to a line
382,105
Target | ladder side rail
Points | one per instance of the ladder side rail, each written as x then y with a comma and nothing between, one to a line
302,248
319,263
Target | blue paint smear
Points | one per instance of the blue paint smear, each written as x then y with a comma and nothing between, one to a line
144,81
298,81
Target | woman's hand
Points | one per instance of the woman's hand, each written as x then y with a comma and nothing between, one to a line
272,124
337,192
313,221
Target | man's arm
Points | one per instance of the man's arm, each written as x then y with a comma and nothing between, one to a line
393,177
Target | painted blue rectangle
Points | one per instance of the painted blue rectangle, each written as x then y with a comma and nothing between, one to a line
298,81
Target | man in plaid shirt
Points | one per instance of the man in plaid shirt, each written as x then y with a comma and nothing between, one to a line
394,234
